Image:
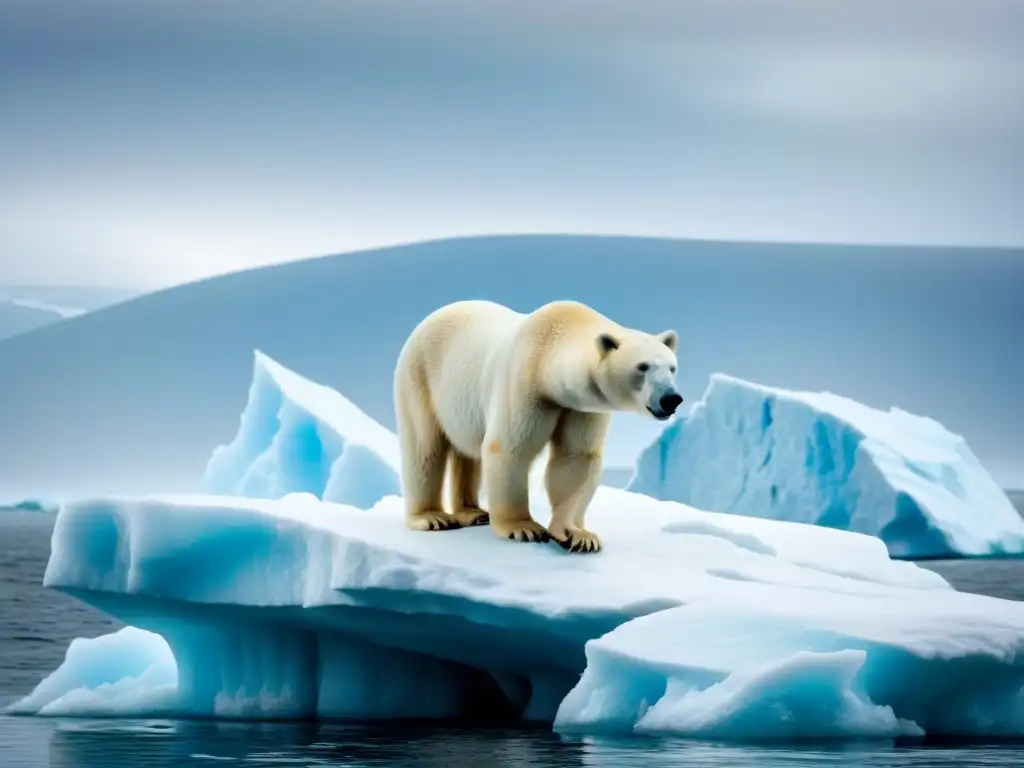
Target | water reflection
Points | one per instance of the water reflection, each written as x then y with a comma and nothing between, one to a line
156,744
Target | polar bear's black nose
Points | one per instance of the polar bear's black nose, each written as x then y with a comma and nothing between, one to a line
669,403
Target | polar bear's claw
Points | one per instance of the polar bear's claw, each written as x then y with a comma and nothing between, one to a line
579,540
433,520
526,532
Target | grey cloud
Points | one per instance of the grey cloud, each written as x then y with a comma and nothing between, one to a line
223,132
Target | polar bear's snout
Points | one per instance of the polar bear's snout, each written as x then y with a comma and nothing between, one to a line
670,402
664,403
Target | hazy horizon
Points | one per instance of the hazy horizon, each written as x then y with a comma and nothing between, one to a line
142,289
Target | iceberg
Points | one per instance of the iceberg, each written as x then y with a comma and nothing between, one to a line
764,662
272,599
30,505
125,673
297,436
820,458
689,622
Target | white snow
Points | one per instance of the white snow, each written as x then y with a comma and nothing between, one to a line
824,459
298,436
688,622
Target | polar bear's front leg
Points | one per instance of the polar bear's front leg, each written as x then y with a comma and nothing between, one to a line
509,449
572,477
507,480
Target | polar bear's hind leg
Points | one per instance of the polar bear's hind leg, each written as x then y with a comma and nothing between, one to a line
464,488
425,451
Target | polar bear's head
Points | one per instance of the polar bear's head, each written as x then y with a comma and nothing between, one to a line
637,372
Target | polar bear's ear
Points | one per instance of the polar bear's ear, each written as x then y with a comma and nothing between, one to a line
606,343
670,339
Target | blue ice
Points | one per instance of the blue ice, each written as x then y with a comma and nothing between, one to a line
820,458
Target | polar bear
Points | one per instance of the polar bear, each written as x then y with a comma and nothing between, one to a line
484,389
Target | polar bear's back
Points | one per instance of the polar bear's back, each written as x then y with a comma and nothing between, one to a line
463,333
450,361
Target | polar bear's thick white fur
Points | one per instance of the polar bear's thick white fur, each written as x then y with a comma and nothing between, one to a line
484,389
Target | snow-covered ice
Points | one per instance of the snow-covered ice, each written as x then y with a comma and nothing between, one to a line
299,436
760,661
824,459
688,622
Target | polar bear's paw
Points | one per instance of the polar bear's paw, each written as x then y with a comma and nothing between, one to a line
521,530
432,520
574,539
470,516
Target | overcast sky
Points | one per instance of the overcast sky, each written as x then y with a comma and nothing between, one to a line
147,143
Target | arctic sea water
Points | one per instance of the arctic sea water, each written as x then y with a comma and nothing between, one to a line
36,626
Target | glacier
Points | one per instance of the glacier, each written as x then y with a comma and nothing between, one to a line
299,436
817,457
273,600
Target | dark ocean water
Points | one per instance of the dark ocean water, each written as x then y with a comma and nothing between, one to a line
36,626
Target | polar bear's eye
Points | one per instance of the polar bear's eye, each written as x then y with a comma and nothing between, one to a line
642,367
672,369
